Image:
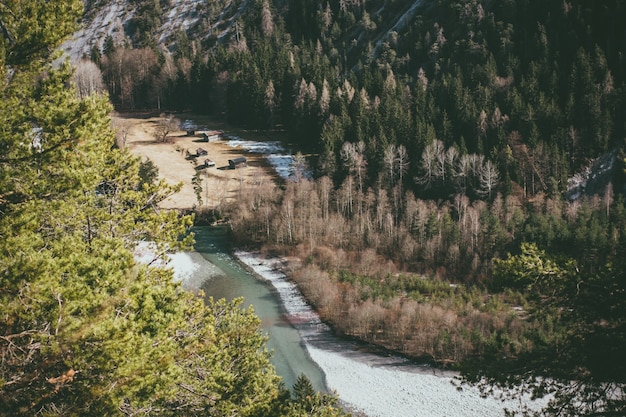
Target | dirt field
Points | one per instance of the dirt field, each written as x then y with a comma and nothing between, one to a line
175,167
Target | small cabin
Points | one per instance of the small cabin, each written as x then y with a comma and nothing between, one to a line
237,162
201,151
191,132
211,135
208,163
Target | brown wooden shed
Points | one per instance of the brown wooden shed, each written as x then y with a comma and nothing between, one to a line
237,162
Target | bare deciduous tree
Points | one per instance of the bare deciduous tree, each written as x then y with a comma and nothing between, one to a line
488,178
402,162
433,163
389,157
608,198
301,95
482,122
348,90
326,17
324,188
121,128
88,78
299,166
166,124
422,79
353,156
128,71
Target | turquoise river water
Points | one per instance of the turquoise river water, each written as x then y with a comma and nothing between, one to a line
220,275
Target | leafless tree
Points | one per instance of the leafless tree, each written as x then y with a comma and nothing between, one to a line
462,172
353,156
452,154
345,196
608,198
324,188
365,99
326,17
311,93
301,95
389,86
488,178
461,202
402,162
88,78
396,162
121,128
482,122
166,75
389,158
299,166
165,125
127,69
432,164
348,90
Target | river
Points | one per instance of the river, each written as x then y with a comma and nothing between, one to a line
368,382
222,276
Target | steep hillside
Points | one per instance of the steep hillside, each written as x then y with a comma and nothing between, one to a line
156,23
152,23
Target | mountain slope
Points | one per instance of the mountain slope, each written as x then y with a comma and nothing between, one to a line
123,21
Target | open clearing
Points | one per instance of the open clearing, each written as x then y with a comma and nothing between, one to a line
219,182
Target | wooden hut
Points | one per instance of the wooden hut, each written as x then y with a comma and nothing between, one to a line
211,135
237,162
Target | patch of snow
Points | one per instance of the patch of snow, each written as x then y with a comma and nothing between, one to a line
145,253
184,265
255,146
280,159
298,310
282,164
403,390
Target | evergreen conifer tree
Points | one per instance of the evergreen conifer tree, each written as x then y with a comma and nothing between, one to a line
84,328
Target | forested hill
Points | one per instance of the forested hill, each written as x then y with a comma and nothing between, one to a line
534,86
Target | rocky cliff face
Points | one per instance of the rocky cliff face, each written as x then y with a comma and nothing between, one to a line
118,19
212,21
596,176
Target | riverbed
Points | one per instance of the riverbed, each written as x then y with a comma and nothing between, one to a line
377,385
